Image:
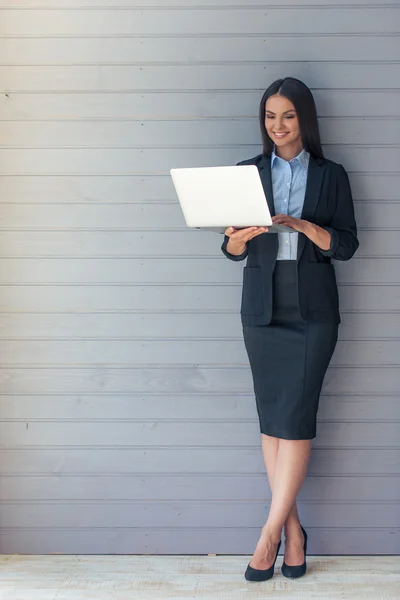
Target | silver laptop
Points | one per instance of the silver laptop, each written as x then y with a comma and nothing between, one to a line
218,197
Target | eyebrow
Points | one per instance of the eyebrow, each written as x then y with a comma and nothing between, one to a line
286,111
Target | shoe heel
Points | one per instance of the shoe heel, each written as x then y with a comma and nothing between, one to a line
298,570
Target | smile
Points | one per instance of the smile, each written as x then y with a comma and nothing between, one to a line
280,135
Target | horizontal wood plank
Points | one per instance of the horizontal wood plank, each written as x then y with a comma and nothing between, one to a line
179,298
176,352
125,50
183,243
182,515
187,407
343,103
141,22
165,216
114,161
194,487
197,433
232,131
172,4
354,326
173,77
327,541
127,460
96,189
169,380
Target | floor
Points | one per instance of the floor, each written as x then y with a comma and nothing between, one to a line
188,577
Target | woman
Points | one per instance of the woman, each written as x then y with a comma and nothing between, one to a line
290,308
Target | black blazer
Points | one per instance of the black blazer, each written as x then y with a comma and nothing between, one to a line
328,203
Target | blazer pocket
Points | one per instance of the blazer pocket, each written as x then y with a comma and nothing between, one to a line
252,292
322,287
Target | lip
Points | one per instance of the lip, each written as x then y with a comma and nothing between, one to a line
280,134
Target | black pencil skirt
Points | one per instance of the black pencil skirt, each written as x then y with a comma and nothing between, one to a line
288,359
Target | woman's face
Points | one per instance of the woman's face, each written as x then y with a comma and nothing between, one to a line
282,123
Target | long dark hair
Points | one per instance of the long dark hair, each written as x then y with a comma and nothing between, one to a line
302,99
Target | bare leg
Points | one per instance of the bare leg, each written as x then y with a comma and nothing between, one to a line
270,450
291,462
294,539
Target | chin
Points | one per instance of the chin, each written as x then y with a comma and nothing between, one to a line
282,143
288,141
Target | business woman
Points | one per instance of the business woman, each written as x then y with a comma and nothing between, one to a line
290,308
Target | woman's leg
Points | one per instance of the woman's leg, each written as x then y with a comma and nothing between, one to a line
270,450
286,476
294,539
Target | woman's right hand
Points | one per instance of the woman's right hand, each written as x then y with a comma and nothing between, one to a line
238,238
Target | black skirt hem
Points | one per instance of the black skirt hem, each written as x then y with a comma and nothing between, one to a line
288,435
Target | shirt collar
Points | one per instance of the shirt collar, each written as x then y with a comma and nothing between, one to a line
303,158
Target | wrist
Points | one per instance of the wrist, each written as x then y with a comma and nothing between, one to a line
308,229
235,248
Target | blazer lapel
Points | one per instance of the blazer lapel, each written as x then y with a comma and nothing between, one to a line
315,175
265,174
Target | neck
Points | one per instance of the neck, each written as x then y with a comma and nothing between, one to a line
290,151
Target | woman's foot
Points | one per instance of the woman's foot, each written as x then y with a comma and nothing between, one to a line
294,546
265,552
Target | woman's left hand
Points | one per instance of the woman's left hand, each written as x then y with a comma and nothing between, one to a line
296,224
318,235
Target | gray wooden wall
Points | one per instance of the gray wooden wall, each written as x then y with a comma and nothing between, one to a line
128,423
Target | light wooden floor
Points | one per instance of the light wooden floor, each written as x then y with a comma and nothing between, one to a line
188,577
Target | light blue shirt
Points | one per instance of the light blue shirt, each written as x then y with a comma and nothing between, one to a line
289,187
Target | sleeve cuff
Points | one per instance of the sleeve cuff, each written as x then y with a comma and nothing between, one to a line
235,257
334,242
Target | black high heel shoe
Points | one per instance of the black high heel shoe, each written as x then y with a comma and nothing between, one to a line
252,574
298,570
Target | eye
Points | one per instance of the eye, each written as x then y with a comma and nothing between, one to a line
270,117
289,116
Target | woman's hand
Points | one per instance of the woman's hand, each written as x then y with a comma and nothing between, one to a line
238,238
318,235
297,224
